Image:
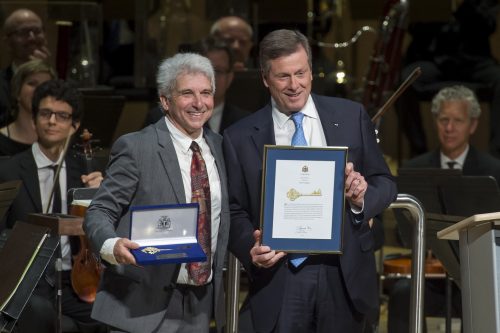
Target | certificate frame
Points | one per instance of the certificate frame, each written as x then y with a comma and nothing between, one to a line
330,241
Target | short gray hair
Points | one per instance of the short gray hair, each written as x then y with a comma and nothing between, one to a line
182,63
456,93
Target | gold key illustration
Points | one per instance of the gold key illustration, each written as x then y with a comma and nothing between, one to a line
293,194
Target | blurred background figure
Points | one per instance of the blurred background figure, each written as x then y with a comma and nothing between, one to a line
25,37
238,34
20,134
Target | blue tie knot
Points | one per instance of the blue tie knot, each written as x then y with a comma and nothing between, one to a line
297,119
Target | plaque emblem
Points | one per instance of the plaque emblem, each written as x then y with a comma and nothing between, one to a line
164,224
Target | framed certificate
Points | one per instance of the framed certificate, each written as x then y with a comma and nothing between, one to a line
166,234
303,198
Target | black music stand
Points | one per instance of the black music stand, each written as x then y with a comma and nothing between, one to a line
424,184
59,225
10,314
470,195
447,252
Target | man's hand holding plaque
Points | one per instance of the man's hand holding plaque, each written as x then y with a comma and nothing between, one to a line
355,187
262,255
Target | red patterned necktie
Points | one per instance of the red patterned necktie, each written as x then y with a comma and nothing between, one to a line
200,189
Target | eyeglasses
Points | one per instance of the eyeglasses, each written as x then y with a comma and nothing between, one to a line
26,32
60,116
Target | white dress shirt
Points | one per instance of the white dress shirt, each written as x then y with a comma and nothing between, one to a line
459,161
284,128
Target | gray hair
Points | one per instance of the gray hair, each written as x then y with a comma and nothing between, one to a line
279,43
456,93
182,63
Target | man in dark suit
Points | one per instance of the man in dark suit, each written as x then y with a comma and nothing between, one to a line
456,112
24,34
152,167
57,115
222,60
324,293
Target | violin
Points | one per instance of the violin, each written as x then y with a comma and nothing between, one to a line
87,268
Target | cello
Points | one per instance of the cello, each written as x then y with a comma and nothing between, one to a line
87,268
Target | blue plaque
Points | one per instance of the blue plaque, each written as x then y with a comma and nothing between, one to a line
166,234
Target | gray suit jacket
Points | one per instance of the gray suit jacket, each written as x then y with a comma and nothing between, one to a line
144,170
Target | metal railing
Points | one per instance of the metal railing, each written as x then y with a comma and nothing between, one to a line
404,201
414,206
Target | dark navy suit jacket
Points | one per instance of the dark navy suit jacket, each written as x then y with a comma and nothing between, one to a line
345,123
477,163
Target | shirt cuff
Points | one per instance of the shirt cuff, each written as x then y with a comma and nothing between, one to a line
358,213
107,250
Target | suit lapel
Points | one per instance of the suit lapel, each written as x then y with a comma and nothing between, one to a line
435,160
471,163
328,119
29,176
168,156
263,130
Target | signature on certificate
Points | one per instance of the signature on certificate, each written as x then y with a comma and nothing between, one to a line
302,230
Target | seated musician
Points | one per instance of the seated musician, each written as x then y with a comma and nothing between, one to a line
456,112
57,115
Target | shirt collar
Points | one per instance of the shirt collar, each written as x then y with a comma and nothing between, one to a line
41,160
460,159
280,119
183,140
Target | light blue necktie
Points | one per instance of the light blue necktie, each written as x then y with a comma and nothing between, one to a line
298,139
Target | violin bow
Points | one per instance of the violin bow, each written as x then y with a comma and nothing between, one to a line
401,89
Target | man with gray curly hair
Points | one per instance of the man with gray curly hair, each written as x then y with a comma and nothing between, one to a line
174,161
456,112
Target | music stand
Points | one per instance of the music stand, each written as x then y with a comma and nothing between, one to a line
470,195
24,233
424,184
447,252
59,225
